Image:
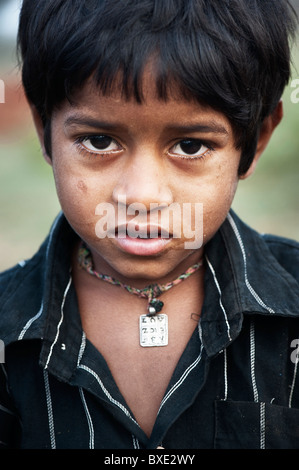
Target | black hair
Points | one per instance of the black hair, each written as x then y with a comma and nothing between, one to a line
233,55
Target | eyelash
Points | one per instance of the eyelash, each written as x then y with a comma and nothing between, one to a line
84,151
192,158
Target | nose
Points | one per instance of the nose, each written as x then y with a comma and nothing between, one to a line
144,181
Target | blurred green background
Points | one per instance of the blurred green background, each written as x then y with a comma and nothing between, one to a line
268,201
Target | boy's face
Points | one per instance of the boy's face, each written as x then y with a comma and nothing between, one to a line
114,155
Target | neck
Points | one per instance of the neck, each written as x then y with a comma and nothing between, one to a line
141,274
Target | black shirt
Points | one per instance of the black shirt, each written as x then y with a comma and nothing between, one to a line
235,386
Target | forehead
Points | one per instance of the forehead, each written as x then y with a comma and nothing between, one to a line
148,86
114,104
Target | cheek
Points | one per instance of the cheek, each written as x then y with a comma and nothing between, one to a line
79,196
216,192
216,207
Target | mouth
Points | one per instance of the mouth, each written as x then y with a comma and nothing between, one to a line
142,231
145,240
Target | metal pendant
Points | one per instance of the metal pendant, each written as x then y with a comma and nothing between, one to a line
153,330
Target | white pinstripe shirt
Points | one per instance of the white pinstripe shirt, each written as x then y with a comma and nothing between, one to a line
235,386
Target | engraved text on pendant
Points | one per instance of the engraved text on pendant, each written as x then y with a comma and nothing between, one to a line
153,330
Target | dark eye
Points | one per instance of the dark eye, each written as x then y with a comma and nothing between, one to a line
189,148
100,144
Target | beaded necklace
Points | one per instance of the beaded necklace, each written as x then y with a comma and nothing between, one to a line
153,326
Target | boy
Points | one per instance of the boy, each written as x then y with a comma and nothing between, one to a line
125,331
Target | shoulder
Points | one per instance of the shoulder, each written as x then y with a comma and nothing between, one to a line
26,289
15,276
278,254
21,289
265,267
285,251
28,276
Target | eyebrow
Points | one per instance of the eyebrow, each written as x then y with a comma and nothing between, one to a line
208,127
89,122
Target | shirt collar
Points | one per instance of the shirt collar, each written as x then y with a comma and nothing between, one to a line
242,277
62,331
39,302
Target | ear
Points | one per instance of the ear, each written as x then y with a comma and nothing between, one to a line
266,131
40,132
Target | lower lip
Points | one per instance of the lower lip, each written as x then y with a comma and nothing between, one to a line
143,246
